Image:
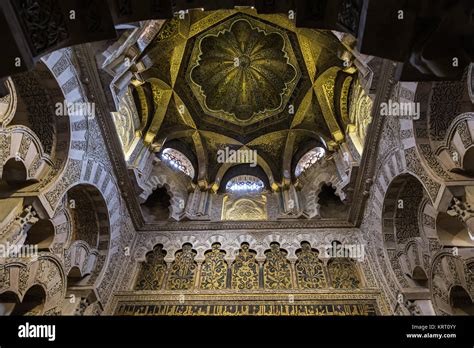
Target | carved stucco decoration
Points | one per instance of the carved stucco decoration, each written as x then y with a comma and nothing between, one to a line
44,24
451,154
321,173
243,70
448,271
8,104
45,270
291,239
247,208
176,184
360,116
126,121
443,106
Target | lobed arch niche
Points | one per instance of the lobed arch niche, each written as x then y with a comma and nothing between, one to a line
460,301
41,234
157,206
32,302
34,147
343,271
330,204
419,243
39,130
15,174
166,188
402,233
87,246
451,282
452,229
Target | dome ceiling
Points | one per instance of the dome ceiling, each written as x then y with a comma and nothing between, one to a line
243,70
232,78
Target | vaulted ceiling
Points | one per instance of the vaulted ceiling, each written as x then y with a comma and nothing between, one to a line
238,79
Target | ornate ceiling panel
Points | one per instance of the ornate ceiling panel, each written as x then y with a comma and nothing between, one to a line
243,70
233,78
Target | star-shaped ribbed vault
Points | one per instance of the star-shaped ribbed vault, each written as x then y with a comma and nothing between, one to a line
237,79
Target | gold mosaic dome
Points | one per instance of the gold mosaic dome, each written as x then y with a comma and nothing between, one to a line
243,70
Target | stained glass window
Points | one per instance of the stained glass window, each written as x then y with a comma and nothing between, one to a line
177,160
308,160
245,184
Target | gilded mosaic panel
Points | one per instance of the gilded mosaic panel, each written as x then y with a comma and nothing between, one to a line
276,270
245,269
183,269
309,268
152,272
214,269
343,274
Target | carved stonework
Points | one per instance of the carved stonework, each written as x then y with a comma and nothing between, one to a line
71,175
43,22
84,216
221,249
4,277
413,163
445,106
349,15
251,207
465,213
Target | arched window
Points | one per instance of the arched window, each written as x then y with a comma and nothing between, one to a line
245,184
308,160
177,160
